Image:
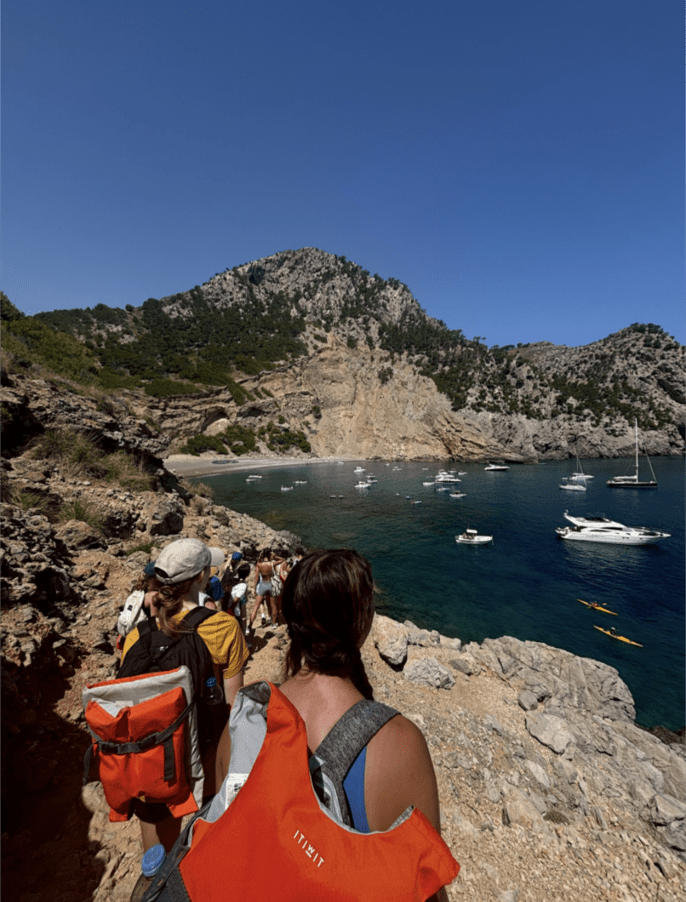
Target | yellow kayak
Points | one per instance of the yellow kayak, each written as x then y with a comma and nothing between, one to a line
621,638
596,607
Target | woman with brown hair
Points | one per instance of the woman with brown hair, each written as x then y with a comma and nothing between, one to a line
328,606
181,571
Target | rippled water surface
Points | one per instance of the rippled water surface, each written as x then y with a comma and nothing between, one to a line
526,583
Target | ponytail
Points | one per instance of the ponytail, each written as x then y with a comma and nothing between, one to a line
169,602
328,606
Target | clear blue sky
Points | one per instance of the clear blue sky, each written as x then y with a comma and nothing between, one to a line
519,165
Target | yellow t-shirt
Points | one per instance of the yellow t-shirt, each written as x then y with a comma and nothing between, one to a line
223,636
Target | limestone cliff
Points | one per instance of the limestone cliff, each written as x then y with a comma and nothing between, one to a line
312,345
404,418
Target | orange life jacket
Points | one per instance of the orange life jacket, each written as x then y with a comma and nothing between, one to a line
273,839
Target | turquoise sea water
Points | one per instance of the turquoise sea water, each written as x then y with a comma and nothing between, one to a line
526,583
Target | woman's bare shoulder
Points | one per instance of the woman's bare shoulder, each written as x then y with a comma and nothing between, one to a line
401,740
399,773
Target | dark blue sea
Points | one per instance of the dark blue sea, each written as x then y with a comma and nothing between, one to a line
526,584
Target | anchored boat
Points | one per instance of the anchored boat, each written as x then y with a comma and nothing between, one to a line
633,482
471,537
600,529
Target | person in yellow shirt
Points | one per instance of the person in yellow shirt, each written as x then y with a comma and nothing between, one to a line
182,570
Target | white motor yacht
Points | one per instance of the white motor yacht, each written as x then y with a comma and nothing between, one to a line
601,529
444,476
491,468
471,537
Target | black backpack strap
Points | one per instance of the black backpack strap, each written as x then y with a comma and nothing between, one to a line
346,739
195,617
147,626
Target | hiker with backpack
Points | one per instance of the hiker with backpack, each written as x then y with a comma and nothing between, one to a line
375,768
182,569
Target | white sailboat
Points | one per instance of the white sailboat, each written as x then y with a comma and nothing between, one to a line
571,485
580,476
633,482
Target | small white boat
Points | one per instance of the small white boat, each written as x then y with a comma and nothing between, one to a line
458,494
462,473
572,486
443,476
300,482
363,485
471,537
429,483
492,468
358,470
286,488
600,529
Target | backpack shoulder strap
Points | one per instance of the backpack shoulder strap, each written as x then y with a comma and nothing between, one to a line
146,627
346,739
195,617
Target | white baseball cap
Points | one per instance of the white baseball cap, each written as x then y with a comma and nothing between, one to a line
184,559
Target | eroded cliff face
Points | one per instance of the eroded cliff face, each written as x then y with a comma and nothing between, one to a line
358,415
366,403
348,402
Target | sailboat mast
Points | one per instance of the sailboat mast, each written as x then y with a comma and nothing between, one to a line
636,427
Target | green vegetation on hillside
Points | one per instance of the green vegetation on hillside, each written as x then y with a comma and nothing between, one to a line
30,341
253,319
202,346
80,457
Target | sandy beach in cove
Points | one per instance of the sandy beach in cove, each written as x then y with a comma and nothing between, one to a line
186,465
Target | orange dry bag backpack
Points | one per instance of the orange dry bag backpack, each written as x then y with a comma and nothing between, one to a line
150,726
276,791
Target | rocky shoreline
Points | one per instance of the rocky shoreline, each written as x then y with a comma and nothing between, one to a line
548,788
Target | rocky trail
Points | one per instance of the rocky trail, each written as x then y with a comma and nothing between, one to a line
549,791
